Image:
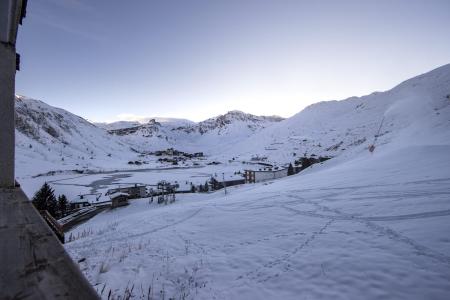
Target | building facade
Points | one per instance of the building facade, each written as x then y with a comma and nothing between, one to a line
134,192
252,176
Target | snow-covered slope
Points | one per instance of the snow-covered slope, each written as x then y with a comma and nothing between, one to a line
207,136
334,128
375,227
52,139
49,138
418,105
117,125
360,226
174,122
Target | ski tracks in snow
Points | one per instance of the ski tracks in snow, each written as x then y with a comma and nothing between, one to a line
262,274
383,230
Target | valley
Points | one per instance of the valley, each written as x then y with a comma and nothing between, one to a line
348,226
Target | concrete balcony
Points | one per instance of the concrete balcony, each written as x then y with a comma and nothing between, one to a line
34,264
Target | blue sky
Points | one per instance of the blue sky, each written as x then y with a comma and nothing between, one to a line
107,60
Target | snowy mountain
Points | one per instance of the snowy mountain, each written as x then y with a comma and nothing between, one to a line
142,121
49,138
332,128
54,139
361,225
372,224
221,123
207,136
117,125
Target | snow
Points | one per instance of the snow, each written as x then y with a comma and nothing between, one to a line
369,227
360,225
352,123
125,124
52,139
117,194
72,186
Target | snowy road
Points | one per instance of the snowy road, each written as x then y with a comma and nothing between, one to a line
325,235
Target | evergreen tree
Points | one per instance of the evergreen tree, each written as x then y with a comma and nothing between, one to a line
206,186
306,162
62,205
290,170
45,199
193,188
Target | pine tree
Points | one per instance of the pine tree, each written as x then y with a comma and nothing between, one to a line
45,199
206,189
62,205
306,162
290,170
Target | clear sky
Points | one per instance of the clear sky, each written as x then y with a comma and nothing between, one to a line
107,60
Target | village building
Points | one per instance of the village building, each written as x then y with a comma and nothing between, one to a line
84,200
79,203
174,152
218,184
119,199
253,176
134,192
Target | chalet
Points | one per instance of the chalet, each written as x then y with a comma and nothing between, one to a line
252,176
134,192
84,200
79,203
119,199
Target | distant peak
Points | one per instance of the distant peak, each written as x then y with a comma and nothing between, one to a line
238,114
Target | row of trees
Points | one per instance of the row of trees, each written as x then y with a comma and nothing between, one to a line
45,199
305,162
200,188
290,170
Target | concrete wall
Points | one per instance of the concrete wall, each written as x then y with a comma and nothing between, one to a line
10,17
5,8
34,264
7,90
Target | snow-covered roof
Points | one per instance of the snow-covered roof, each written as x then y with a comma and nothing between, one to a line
228,177
79,201
84,198
268,170
117,194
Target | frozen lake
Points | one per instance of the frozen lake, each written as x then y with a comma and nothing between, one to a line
75,184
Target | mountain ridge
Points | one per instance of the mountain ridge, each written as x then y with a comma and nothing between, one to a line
330,128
